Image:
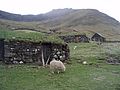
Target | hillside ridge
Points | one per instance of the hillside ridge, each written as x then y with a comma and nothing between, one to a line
64,21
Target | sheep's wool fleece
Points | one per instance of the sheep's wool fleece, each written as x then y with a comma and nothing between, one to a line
57,65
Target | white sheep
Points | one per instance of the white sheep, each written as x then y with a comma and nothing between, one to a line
57,66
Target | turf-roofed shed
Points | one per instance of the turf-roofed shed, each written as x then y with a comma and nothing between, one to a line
32,47
98,38
75,38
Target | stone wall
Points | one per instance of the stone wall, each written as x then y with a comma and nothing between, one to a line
29,52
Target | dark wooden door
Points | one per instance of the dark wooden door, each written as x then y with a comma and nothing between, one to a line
1,50
46,51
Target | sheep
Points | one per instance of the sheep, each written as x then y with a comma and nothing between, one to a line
57,66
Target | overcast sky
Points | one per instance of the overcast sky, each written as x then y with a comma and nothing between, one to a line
110,7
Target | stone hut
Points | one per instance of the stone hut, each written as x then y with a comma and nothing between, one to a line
31,47
75,38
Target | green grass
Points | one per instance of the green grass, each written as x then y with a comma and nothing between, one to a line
27,35
98,76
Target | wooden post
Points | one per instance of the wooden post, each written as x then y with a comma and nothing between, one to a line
43,61
48,60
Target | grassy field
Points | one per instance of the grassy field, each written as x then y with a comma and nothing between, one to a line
96,75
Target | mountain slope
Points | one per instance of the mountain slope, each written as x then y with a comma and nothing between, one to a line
83,17
86,21
39,17
65,21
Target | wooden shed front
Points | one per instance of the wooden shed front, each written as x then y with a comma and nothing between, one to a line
98,38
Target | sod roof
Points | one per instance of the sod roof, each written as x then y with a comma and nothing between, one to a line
27,35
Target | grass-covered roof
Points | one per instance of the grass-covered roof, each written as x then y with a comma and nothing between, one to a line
26,35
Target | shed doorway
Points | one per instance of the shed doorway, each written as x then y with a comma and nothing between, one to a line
1,49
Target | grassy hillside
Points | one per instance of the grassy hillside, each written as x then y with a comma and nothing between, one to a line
65,21
96,75
85,21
